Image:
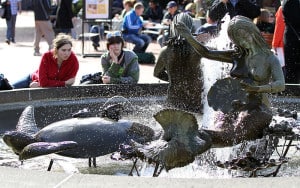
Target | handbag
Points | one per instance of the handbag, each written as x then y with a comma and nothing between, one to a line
2,10
6,12
4,83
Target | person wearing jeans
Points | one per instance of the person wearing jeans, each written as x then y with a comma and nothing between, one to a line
43,26
58,67
132,26
15,6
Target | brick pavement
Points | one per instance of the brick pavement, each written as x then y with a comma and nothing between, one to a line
17,59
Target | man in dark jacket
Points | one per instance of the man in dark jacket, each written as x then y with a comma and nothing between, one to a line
247,8
167,19
43,25
64,17
154,13
290,10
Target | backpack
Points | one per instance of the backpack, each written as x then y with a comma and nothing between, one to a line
146,58
95,78
4,84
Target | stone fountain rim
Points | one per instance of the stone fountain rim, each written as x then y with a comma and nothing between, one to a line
79,92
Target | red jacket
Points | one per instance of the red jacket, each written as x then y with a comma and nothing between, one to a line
49,75
279,29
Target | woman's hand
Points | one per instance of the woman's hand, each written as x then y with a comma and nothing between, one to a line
106,79
70,82
113,56
34,85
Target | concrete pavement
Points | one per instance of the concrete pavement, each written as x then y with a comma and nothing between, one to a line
12,177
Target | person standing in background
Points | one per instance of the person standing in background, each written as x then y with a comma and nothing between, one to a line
290,10
263,21
43,26
269,4
277,43
265,25
64,17
14,6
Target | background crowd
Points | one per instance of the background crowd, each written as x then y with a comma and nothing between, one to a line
276,21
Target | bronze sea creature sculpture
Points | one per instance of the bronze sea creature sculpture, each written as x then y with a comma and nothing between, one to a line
87,137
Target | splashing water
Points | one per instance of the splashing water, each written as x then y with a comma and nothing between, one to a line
214,70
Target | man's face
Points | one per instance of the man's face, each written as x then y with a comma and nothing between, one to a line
172,10
139,12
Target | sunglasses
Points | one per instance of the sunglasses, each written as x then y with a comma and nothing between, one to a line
113,34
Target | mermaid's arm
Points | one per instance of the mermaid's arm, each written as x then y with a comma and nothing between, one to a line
225,56
160,69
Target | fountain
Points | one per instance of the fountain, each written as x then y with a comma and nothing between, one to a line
58,103
149,98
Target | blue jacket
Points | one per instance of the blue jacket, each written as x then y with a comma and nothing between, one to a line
132,23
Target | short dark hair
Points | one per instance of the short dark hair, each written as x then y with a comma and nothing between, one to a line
115,40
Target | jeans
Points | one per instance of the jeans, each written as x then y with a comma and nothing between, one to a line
97,29
11,28
66,31
161,39
141,41
22,83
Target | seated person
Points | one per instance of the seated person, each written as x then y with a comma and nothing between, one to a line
128,6
132,26
190,8
167,19
120,66
97,29
58,67
208,30
154,13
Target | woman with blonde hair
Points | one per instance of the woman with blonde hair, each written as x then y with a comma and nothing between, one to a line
58,67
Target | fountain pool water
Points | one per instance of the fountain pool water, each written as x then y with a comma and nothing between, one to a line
203,167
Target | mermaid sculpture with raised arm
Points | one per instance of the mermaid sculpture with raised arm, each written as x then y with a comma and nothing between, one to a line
255,70
243,109
179,64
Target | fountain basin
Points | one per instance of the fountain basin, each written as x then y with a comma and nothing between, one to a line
53,104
